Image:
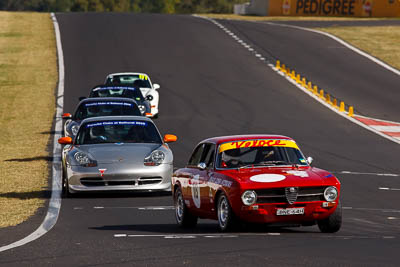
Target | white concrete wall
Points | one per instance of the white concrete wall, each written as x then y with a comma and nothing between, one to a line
255,7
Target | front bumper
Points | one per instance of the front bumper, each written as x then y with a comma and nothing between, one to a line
118,177
154,111
267,213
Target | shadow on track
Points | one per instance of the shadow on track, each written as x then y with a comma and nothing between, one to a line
202,228
119,194
27,195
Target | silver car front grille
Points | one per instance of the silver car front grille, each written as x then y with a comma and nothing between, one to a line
149,180
97,181
279,195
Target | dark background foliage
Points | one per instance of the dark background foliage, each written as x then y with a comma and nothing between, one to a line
137,6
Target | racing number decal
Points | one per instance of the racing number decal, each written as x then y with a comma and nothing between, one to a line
196,190
143,77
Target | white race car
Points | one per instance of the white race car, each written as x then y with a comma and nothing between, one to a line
141,80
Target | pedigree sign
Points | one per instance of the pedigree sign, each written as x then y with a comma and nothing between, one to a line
343,8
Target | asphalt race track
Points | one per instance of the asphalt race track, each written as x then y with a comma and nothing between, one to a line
370,88
211,86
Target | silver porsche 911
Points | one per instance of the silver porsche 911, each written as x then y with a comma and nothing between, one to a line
117,153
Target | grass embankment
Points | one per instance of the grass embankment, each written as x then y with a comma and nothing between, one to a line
28,76
381,42
378,41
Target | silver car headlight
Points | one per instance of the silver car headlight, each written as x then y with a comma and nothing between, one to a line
142,108
249,197
330,193
84,160
74,129
155,158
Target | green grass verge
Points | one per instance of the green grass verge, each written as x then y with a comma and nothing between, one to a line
379,41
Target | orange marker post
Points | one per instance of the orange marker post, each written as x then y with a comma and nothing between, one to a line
315,90
321,94
351,111
283,68
309,86
328,98
341,108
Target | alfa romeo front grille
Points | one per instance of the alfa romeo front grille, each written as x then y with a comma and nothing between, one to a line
291,194
279,195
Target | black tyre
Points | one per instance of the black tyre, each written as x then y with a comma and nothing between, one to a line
226,218
333,223
65,186
183,217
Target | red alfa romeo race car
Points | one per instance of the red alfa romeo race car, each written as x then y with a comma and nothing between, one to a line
255,179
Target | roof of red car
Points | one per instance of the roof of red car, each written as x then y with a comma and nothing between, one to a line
223,139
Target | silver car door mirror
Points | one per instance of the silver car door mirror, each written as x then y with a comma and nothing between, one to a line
202,166
156,86
309,160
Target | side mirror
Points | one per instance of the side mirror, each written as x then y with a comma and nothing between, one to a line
168,138
65,140
81,98
309,160
66,116
202,166
156,86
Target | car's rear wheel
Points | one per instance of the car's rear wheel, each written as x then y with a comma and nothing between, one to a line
333,223
182,215
226,218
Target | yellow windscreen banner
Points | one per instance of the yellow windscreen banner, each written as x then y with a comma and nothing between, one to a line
257,143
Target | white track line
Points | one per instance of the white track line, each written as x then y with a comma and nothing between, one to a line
208,235
55,201
389,189
368,173
373,209
305,90
137,208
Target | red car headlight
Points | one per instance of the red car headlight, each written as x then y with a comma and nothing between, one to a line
249,197
331,193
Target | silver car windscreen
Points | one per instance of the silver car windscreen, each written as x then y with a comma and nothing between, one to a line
118,131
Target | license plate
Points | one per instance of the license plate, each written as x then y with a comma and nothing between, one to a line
290,211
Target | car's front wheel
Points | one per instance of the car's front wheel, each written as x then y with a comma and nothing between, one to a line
65,186
333,223
226,218
183,217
